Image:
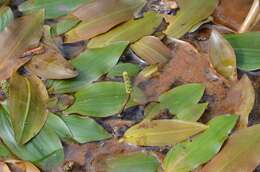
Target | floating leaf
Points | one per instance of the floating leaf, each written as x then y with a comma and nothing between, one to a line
152,50
152,110
222,56
91,64
117,71
17,165
241,153
129,31
181,97
60,102
193,112
183,22
15,40
162,132
65,24
100,99
6,17
28,99
189,155
77,128
52,8
45,150
246,46
137,162
100,16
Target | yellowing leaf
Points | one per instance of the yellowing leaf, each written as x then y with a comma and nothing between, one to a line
222,56
152,50
241,153
130,31
27,104
22,166
100,16
162,132
190,14
21,34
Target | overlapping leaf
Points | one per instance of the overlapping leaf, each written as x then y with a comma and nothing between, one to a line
189,155
129,31
117,71
100,16
15,40
6,17
28,99
162,132
91,64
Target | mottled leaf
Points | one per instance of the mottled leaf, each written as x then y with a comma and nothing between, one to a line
91,64
15,40
162,132
100,99
6,17
246,46
130,31
117,71
222,56
190,14
189,155
28,99
100,16
241,153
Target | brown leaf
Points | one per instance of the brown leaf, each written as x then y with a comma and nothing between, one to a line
21,166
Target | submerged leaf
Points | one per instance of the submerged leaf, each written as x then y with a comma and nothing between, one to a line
246,46
222,56
100,99
152,50
130,31
241,153
189,155
162,132
6,17
28,99
190,14
15,40
134,162
100,16
44,150
91,64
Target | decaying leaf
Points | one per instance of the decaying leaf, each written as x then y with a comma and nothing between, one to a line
152,50
91,64
99,16
100,99
15,40
17,165
222,56
241,153
190,14
162,132
189,155
130,31
28,99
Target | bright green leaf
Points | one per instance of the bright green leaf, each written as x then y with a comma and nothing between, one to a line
117,71
192,112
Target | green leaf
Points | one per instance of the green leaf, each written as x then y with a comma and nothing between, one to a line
5,153
187,156
193,112
152,110
241,153
28,99
131,69
52,8
91,64
100,16
19,39
181,97
130,31
222,56
134,162
100,99
80,129
152,50
6,17
246,46
190,14
65,24
45,149
162,132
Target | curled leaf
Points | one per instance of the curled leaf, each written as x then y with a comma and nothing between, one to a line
162,132
222,56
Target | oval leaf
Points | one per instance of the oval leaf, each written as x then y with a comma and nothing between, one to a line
162,132
28,99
